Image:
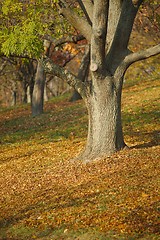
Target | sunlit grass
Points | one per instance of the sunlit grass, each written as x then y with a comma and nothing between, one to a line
46,196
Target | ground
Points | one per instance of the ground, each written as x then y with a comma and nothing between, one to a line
45,195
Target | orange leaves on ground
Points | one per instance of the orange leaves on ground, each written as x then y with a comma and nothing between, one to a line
42,189
118,194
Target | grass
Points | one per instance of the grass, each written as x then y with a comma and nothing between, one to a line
46,196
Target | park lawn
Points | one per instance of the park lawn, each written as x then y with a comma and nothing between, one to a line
46,195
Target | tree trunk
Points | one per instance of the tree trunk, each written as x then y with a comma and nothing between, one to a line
24,85
14,94
105,135
31,87
38,91
14,98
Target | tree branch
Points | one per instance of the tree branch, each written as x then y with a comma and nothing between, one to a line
87,7
63,40
141,55
84,66
78,22
134,57
113,18
99,30
124,27
17,56
62,73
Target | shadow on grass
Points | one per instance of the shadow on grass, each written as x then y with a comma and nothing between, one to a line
144,219
140,126
62,201
49,126
154,136
139,222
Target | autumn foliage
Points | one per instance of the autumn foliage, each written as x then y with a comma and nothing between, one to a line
45,195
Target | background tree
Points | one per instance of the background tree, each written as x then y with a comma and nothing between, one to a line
107,26
17,76
23,25
19,39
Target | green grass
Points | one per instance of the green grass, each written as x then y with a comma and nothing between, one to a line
45,196
26,127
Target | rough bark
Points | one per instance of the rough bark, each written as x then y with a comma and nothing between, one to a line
105,135
124,26
63,40
134,57
119,47
141,55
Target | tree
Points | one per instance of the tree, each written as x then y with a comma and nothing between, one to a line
19,37
107,26
17,75
38,91
22,30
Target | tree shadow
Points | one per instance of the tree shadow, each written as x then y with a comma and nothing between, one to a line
144,219
64,199
155,140
139,220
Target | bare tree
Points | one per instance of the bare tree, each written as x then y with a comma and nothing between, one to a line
107,25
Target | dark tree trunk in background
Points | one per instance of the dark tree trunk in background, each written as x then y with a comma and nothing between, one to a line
31,87
14,94
37,101
14,98
38,91
24,97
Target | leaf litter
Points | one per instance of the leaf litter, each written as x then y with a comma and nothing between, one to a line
42,189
